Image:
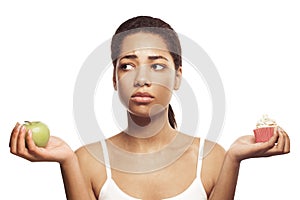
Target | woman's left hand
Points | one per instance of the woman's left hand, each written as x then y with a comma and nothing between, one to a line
245,146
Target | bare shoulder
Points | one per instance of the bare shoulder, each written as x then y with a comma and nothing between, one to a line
92,165
213,157
91,152
213,151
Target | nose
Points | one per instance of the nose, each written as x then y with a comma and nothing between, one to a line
142,77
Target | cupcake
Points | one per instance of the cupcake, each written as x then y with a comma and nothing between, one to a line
265,128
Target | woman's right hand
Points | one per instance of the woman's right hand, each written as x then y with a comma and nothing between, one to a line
21,144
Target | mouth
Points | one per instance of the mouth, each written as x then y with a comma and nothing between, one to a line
142,97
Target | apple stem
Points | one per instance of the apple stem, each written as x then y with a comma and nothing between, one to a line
27,122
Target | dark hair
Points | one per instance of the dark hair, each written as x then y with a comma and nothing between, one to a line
152,25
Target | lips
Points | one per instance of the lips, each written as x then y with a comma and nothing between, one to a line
142,97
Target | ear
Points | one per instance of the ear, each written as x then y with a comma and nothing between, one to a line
115,84
178,77
114,80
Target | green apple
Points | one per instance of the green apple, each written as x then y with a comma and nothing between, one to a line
40,132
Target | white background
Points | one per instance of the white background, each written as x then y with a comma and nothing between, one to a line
255,46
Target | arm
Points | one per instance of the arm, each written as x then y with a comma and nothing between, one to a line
244,148
76,187
55,151
225,186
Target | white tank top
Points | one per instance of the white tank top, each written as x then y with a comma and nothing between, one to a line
196,191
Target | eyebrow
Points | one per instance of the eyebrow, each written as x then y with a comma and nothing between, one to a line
157,57
133,56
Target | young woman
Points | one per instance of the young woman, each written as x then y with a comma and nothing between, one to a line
147,68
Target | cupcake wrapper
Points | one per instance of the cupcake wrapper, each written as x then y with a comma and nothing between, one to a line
263,134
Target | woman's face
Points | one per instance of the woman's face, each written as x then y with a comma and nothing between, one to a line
145,74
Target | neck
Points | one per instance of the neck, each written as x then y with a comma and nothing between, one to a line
148,134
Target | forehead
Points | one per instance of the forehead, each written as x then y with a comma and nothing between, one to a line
143,42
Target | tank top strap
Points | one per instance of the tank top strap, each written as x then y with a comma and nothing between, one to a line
200,156
106,158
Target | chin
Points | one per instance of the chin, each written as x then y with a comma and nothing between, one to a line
140,112
147,111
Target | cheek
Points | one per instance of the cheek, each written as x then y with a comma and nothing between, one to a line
165,95
125,89
164,80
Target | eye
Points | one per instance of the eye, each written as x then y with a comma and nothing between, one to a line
126,67
157,67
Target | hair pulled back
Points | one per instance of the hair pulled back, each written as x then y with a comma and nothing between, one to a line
151,25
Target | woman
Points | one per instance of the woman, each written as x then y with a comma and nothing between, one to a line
146,55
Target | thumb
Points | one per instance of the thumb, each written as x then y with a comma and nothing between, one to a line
29,141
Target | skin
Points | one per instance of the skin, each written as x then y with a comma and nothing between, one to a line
141,68
148,131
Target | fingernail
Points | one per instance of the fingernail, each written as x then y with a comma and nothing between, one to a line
28,134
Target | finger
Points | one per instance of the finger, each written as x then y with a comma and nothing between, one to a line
30,143
28,149
270,146
16,128
21,149
273,140
281,141
14,138
287,142
283,146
